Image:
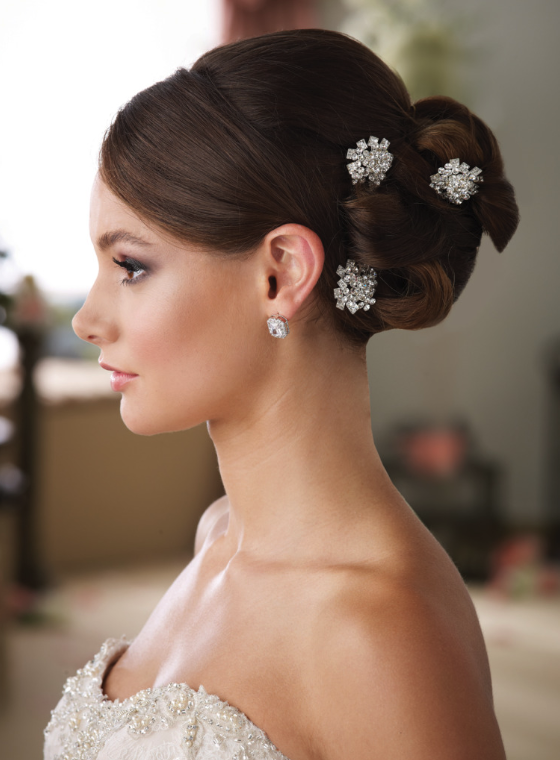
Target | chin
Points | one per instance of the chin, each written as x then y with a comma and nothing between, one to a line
143,423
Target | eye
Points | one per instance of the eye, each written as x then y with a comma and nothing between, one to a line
134,270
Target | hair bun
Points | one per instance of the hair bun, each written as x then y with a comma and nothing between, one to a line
447,129
423,246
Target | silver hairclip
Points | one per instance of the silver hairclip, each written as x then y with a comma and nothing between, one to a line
456,181
355,287
372,164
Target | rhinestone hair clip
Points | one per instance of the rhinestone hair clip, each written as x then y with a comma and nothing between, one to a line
373,163
456,181
355,287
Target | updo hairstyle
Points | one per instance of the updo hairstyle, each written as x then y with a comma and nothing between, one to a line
255,136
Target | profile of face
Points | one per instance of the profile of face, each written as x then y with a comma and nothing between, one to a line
184,330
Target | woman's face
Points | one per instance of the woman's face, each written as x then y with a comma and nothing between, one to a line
184,330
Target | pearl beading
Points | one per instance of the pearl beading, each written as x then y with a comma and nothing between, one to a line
85,718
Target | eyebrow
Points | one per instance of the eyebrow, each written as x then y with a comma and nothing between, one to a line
108,239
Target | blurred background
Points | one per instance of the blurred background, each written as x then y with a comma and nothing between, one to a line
96,522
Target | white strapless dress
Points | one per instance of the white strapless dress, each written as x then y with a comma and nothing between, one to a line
172,722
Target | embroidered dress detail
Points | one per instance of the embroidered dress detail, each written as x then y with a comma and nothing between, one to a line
172,722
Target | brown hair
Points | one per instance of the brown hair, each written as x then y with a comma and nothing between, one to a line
255,136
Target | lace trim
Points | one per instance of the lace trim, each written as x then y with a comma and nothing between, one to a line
86,718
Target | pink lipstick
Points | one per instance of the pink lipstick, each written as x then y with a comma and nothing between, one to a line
118,378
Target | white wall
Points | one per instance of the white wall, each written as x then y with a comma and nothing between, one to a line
65,69
485,362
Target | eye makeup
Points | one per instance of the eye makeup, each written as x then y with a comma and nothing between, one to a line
134,270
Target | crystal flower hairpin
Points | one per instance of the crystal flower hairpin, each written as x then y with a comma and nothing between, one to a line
356,287
372,164
456,181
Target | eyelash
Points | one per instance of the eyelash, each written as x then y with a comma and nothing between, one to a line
132,266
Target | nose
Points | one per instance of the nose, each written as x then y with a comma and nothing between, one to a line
93,322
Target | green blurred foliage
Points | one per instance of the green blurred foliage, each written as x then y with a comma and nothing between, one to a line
421,39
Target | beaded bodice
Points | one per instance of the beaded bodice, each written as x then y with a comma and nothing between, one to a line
172,722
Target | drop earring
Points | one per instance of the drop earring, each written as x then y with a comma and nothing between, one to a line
278,326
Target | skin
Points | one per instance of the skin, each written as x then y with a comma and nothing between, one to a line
316,603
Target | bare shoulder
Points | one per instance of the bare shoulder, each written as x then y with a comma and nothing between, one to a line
401,672
210,518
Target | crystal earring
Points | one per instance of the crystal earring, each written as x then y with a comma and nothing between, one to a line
278,326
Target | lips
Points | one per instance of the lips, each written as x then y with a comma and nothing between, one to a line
118,378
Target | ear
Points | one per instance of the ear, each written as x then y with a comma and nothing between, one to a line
292,258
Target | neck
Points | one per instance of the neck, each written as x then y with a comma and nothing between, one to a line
297,459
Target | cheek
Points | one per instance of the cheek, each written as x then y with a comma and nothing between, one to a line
193,349
163,337
166,348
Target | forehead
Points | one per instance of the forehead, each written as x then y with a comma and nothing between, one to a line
108,213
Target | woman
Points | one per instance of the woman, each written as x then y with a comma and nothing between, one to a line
318,619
